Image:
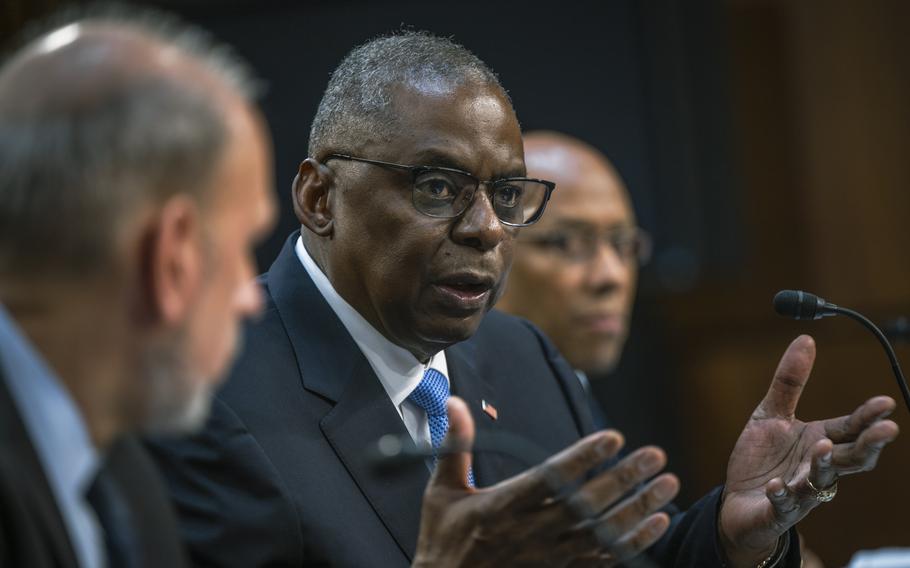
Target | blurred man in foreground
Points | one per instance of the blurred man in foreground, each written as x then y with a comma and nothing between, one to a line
134,179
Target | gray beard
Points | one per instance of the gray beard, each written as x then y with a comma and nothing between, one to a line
178,403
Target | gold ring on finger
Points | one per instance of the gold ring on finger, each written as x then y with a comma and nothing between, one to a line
823,495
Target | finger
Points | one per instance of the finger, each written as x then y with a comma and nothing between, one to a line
784,502
848,428
452,468
560,471
821,471
641,538
619,521
583,543
864,453
789,379
579,549
611,485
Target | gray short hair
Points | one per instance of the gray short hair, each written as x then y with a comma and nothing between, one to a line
75,165
357,104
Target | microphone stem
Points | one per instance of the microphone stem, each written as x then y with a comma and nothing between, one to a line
895,366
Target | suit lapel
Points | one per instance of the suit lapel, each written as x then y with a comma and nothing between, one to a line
361,417
332,366
36,491
468,384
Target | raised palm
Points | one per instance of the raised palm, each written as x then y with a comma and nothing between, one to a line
777,456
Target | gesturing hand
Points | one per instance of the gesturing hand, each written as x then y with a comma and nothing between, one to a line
777,456
548,515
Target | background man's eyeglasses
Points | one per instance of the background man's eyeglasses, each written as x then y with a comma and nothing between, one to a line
630,244
447,192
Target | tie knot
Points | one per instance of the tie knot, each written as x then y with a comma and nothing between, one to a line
431,393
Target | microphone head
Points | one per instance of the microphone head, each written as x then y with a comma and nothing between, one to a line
797,304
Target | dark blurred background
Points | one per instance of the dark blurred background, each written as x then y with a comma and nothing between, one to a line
765,145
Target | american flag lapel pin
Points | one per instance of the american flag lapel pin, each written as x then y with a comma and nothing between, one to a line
489,409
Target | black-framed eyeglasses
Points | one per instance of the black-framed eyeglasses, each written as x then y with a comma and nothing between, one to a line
447,192
631,244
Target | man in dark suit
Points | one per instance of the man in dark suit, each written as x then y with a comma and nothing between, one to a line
134,178
409,204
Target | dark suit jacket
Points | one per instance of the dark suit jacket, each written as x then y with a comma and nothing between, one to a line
281,475
32,531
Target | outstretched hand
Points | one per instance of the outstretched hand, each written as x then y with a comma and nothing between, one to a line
549,515
777,456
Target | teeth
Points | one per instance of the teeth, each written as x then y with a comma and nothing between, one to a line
467,284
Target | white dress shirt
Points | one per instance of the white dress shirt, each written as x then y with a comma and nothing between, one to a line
397,368
60,438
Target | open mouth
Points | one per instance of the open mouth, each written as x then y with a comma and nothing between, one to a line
464,291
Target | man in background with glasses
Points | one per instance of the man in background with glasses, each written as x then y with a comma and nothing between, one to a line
575,273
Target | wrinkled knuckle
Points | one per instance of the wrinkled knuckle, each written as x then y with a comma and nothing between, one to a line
580,505
549,477
629,550
605,534
626,476
790,379
784,510
587,455
643,504
847,426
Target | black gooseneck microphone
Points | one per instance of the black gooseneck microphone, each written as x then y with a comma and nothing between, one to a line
801,305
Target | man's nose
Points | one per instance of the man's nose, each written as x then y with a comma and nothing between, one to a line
478,226
606,268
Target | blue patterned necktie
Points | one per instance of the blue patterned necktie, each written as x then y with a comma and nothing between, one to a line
431,395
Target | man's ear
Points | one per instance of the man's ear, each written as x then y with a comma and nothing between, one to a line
312,192
173,260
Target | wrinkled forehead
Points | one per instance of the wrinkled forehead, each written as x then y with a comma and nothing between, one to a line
472,125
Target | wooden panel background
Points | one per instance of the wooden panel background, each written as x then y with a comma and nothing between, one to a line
821,92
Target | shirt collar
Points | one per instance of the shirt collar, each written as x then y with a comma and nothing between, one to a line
398,369
54,425
583,379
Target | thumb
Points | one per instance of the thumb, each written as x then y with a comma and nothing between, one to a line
454,463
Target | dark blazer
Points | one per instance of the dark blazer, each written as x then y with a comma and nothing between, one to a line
32,531
281,475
